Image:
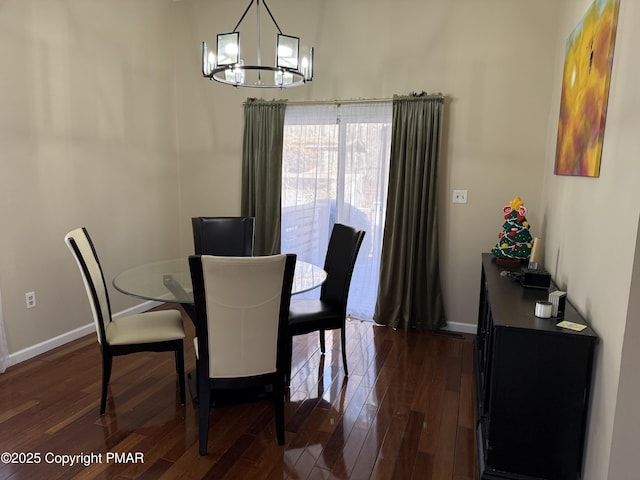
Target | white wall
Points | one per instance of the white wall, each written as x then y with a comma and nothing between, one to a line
626,428
87,137
591,232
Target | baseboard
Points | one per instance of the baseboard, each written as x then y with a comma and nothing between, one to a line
461,327
43,347
142,307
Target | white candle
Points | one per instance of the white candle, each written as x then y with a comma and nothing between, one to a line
536,253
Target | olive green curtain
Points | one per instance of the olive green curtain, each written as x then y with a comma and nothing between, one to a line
262,170
409,294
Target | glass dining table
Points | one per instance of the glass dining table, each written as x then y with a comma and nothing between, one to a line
169,281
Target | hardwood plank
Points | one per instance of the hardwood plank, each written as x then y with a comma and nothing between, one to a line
406,411
445,453
21,408
409,446
464,461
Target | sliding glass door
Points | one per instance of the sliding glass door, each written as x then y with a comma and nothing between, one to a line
335,168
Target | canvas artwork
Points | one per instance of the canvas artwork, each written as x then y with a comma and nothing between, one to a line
585,91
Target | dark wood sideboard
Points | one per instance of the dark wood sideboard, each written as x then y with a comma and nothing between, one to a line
533,381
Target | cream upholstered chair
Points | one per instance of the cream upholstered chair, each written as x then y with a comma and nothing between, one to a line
242,306
224,236
158,331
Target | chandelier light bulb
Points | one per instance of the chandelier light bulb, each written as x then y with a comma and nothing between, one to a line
231,49
284,51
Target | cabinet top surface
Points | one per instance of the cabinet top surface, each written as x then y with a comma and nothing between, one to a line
513,305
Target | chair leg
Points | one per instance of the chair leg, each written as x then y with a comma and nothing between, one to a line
179,354
322,347
344,350
278,403
106,376
204,400
289,357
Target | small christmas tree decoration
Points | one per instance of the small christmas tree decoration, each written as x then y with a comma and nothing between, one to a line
514,241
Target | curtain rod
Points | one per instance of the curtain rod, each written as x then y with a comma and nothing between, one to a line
338,102
352,100
329,102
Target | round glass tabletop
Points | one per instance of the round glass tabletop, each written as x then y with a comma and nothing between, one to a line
169,281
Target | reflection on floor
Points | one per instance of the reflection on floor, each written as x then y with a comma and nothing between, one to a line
406,411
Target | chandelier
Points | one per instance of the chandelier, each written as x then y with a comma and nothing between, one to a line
292,66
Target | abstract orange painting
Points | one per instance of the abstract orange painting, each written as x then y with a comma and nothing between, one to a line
585,91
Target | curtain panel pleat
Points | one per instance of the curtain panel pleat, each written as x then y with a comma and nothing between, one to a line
409,293
262,170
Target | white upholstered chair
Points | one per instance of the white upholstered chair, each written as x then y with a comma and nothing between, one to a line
242,307
157,331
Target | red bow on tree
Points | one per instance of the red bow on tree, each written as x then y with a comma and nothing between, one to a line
522,211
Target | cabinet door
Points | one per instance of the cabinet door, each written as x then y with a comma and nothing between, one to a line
537,405
483,350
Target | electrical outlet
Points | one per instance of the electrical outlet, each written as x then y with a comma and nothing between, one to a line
30,297
459,196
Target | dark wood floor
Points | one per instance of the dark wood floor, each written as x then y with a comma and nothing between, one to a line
406,411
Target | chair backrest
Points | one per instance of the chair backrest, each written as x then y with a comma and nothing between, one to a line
223,236
242,309
81,246
342,253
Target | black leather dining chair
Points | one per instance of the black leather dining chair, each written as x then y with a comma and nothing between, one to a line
223,236
329,312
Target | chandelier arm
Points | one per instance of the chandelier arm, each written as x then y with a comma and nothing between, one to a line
243,15
259,40
271,15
